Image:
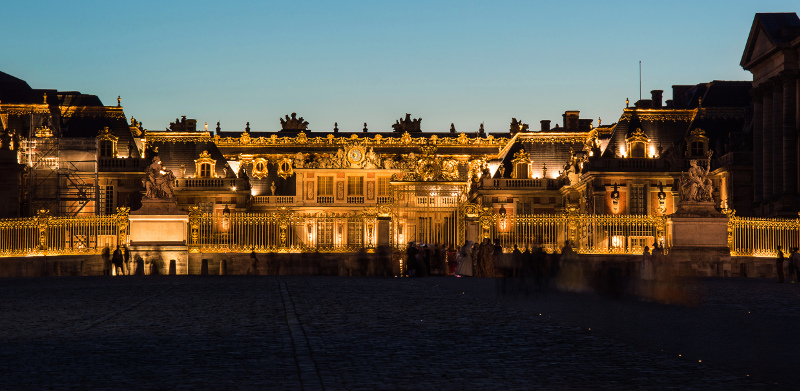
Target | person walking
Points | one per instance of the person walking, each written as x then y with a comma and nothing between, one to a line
126,256
779,265
794,259
464,260
106,255
646,267
253,263
117,261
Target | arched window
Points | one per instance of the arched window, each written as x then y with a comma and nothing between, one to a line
107,143
205,166
697,143
637,144
521,164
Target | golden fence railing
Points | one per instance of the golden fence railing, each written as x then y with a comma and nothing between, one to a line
760,237
59,235
588,234
283,231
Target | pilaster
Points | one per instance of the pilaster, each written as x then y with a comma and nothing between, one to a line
758,142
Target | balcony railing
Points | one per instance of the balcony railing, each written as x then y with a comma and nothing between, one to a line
385,199
273,200
121,164
514,183
324,199
206,182
355,199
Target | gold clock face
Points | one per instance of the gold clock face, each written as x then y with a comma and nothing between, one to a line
355,155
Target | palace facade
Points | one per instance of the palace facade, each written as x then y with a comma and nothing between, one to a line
70,154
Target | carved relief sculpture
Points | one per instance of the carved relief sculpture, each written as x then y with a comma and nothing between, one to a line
299,160
340,190
370,190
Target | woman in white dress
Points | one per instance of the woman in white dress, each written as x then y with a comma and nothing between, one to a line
465,260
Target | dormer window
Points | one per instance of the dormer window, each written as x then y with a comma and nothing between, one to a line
697,143
106,148
107,143
205,170
205,166
521,164
637,144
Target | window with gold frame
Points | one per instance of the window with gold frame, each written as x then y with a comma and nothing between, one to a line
325,186
260,168
205,166
637,144
355,186
107,143
384,187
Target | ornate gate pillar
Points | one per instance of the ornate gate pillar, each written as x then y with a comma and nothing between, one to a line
42,221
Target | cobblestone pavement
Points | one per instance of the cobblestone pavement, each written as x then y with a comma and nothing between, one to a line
384,333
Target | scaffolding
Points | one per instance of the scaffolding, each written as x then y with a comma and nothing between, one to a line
61,174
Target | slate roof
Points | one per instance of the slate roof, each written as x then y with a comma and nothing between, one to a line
671,133
781,27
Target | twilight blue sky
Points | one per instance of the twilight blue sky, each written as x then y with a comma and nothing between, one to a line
464,62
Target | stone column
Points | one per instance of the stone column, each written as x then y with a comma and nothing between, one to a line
777,137
758,153
767,147
789,165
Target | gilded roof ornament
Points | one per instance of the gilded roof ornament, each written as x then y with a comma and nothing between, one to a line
293,123
407,124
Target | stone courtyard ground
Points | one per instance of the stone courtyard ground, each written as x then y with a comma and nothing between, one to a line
291,333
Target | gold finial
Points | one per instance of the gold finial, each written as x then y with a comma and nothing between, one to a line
599,121
119,101
45,98
627,102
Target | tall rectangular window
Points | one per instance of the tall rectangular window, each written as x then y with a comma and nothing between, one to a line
355,186
638,206
355,233
384,187
325,186
107,200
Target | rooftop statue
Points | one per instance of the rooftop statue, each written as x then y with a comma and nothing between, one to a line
158,181
517,126
697,187
407,124
293,123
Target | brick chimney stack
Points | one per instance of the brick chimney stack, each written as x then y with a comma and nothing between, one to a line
545,125
656,97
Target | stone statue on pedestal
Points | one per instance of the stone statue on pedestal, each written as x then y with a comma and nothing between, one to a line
696,187
158,181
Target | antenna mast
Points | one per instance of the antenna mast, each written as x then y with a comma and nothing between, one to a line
640,79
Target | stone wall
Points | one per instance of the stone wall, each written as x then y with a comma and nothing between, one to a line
353,264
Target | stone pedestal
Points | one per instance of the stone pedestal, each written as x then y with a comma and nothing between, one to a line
158,235
698,233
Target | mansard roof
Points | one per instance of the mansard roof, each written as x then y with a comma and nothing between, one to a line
15,90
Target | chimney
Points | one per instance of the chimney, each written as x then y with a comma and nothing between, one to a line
656,96
571,119
545,125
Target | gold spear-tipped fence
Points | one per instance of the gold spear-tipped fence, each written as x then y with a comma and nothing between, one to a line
760,237
60,235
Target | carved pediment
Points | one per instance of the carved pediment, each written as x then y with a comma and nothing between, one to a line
293,124
407,125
